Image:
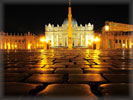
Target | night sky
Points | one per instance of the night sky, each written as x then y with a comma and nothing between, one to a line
33,18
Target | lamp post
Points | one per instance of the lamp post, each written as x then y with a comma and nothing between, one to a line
106,28
43,40
96,40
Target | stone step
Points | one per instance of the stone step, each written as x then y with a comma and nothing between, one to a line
18,89
86,78
45,78
68,71
68,90
115,90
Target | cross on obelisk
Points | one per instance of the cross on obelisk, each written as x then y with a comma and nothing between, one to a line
69,26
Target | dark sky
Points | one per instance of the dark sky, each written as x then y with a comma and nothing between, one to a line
24,18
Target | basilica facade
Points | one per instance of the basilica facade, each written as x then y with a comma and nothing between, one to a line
58,35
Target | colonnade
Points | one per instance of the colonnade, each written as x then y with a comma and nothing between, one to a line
61,39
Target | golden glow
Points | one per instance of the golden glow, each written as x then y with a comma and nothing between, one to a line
12,46
44,58
69,28
1,46
124,45
5,45
15,46
97,39
29,46
106,28
42,39
47,40
41,50
130,45
9,47
90,41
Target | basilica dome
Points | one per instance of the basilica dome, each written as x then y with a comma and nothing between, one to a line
74,22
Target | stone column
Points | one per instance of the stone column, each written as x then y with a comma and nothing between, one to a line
11,44
64,41
122,44
86,40
81,40
76,41
57,40
52,40
5,45
125,43
62,44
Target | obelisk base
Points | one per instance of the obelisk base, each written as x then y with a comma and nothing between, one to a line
69,42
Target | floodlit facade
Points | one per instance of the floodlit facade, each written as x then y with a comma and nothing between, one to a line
69,34
20,41
116,36
81,35
113,36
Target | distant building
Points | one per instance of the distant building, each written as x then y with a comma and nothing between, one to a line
116,36
113,36
19,41
58,35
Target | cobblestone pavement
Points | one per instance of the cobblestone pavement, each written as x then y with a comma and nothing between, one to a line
89,74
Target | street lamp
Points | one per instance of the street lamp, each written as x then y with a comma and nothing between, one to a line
96,42
43,40
96,39
106,28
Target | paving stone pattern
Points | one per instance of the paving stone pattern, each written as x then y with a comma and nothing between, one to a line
92,74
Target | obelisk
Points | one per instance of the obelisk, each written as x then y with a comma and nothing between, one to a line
69,26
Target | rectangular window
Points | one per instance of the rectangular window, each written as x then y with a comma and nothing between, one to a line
116,41
123,41
109,43
126,33
119,41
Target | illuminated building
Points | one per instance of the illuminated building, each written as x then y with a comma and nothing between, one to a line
117,35
61,35
69,33
20,41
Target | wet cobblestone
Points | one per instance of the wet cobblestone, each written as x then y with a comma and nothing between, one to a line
78,72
